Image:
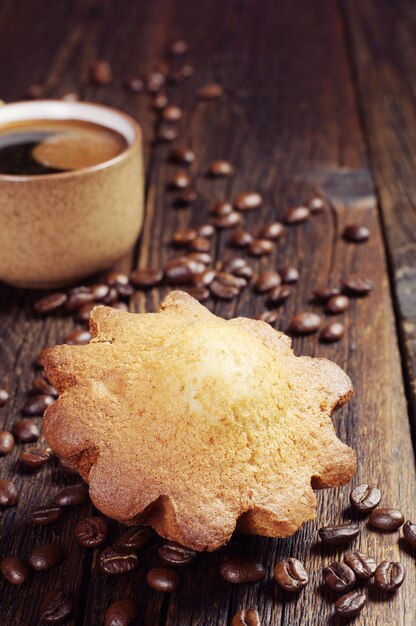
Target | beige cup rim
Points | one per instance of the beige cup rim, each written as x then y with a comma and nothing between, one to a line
74,105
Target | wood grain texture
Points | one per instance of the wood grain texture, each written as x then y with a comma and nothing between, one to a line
289,122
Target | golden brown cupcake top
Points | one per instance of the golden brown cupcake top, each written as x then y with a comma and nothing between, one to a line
190,423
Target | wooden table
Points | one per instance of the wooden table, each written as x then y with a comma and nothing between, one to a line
319,99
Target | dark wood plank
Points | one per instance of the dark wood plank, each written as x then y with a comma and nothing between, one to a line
382,52
288,120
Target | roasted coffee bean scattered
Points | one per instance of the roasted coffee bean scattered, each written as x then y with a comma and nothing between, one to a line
83,313
114,279
182,154
167,133
337,304
233,265
290,574
134,84
242,571
246,617
248,201
71,496
37,405
50,303
185,197
231,279
46,515
356,285
351,604
185,236
171,113
181,180
305,323
260,247
26,430
200,244
210,91
200,257
409,533
272,231
181,74
110,298
175,554
289,274
199,293
121,613
159,101
45,557
241,238
267,281
339,576
361,563
155,81
227,221
323,294
296,215
4,396
338,534
356,233
35,457
101,290
223,291
222,208
206,230
101,73
9,494
365,498
278,295
6,442
270,317
389,575
135,538
78,337
56,607
221,168
180,46
118,560
331,332
70,96
316,205
146,278
43,386
14,570
204,279
91,532
182,270
386,519
163,579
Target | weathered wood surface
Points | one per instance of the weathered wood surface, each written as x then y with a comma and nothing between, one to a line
289,121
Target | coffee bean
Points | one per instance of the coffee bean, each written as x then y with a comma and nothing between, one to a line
46,515
270,317
78,337
34,92
4,396
182,270
200,244
37,405
365,498
70,96
56,607
175,554
187,196
35,457
227,221
6,442
178,47
101,73
83,313
244,272
134,84
204,279
171,113
167,133
386,519
206,230
361,563
210,91
159,101
181,180
260,247
124,291
338,534
296,215
43,386
26,430
305,323
339,576
14,570
135,538
233,265
221,168
351,604
222,208
100,291
163,579
67,467
289,274
200,257
332,332
231,280
121,613
199,293
110,298
146,278
155,81
409,533
185,236
114,279
389,575
248,201
241,238
246,617
356,285
9,494
71,496
224,292
290,574
272,231
278,294
181,74
45,557
337,304
356,233
91,532
50,303
182,154
267,281
242,571
323,294
118,560
316,205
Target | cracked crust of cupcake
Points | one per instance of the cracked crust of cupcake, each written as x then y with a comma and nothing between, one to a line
196,425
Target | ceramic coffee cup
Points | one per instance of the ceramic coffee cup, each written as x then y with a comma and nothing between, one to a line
58,228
